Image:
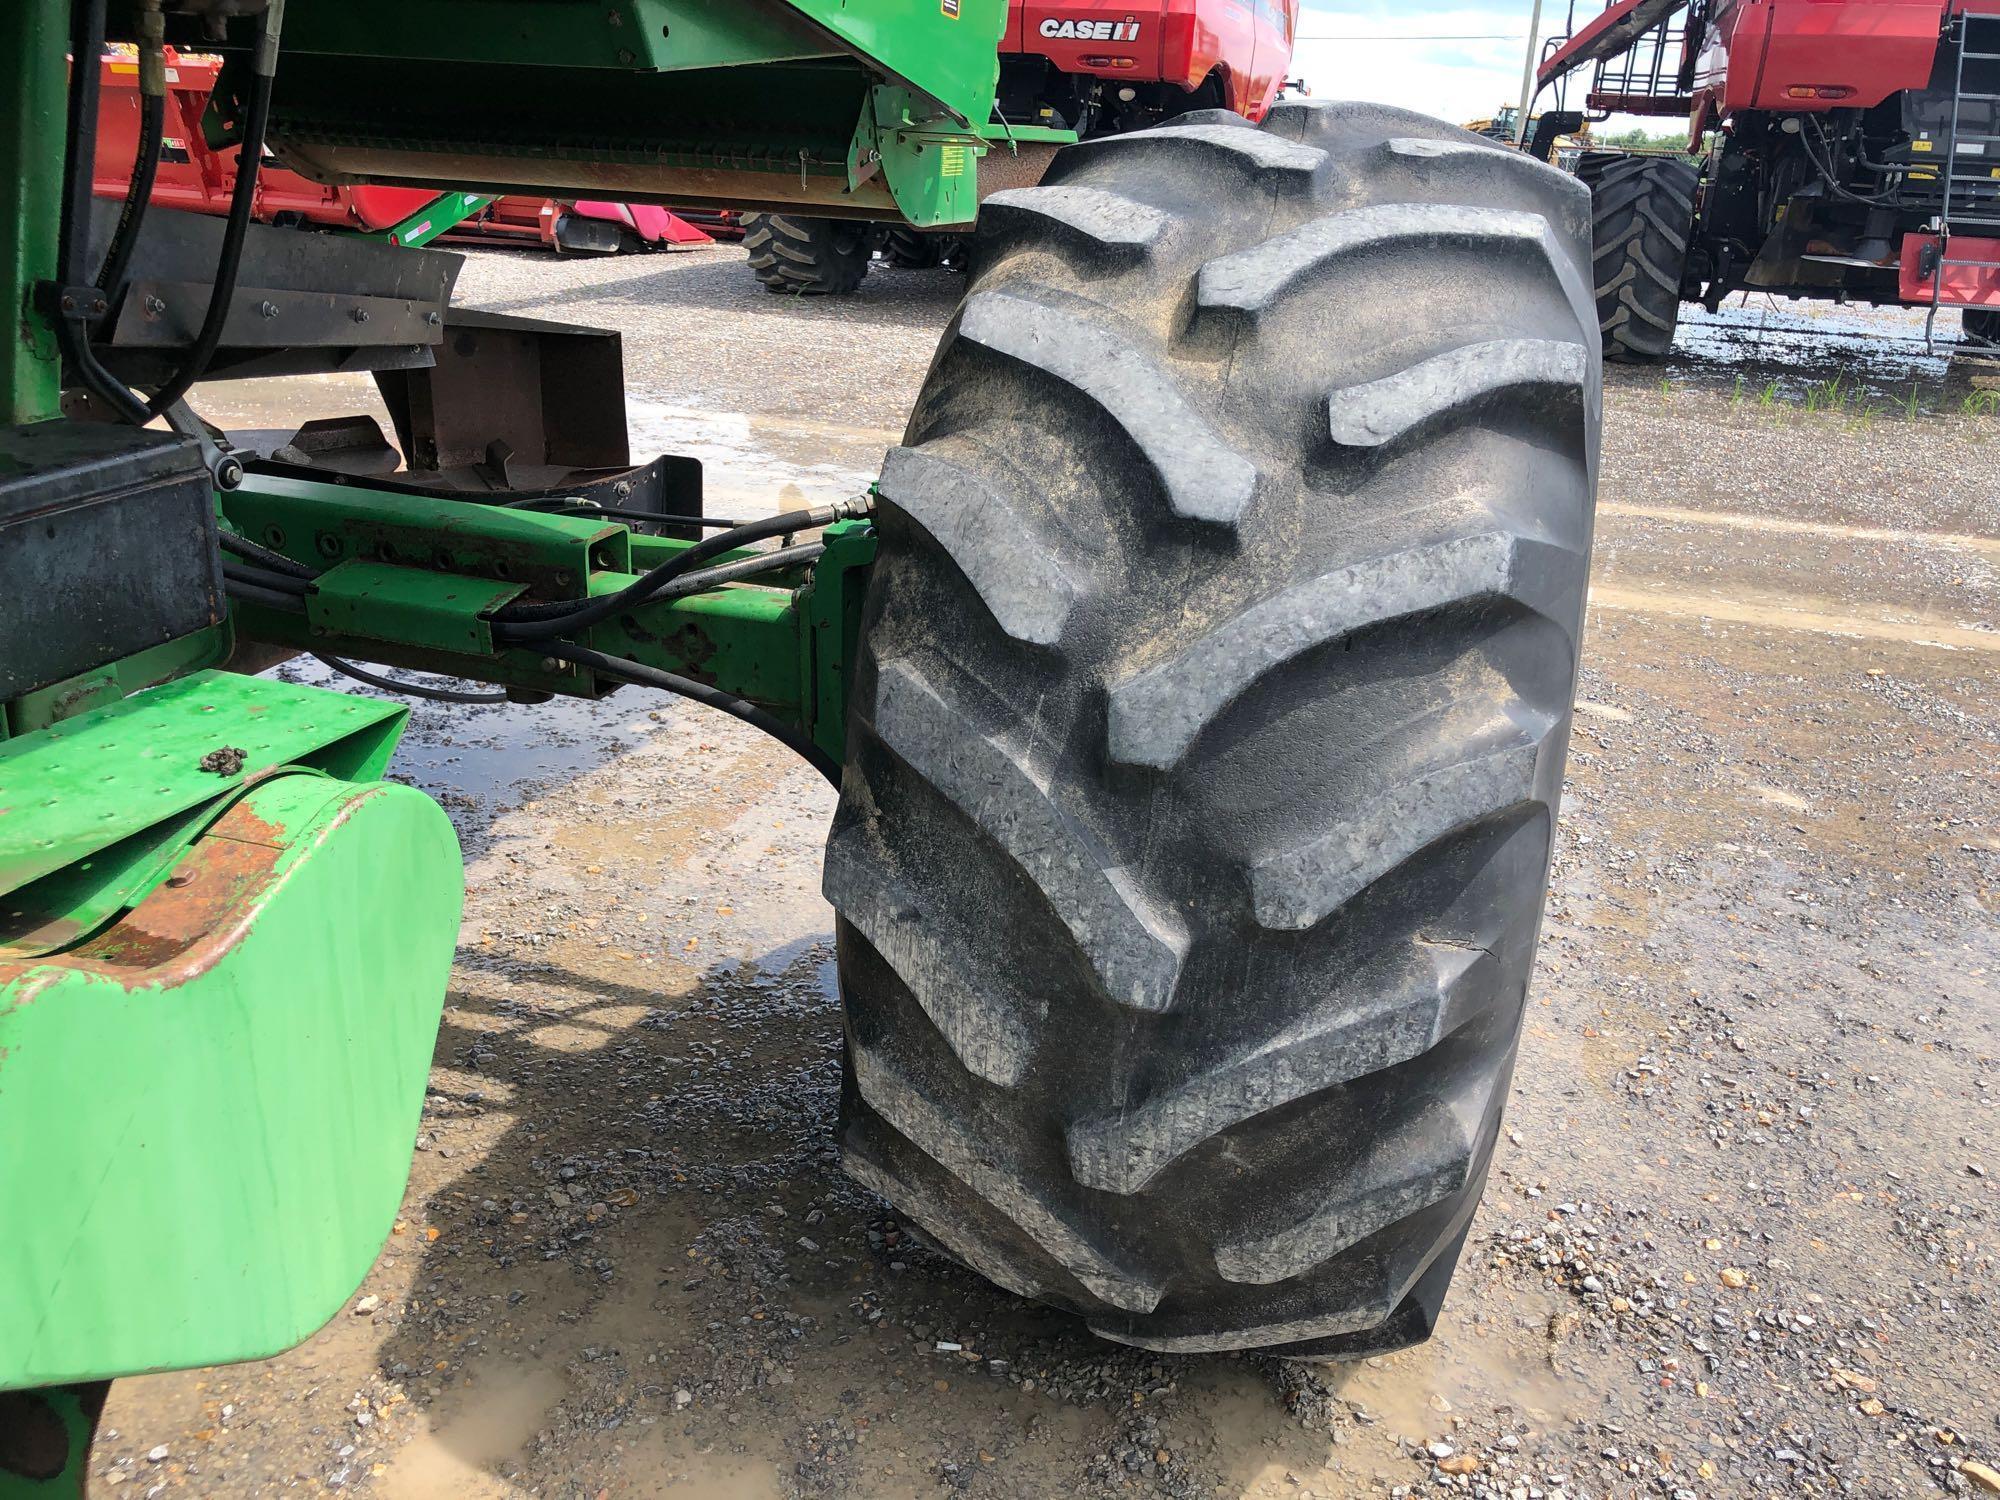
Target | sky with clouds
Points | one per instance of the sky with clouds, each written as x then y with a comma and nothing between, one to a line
1457,59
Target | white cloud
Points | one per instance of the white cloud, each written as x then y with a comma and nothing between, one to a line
1415,57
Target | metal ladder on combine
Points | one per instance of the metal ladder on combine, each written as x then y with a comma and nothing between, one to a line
1978,41
1644,78
1635,68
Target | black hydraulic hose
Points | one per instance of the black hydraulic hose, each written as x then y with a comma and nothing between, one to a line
73,228
86,45
249,551
565,505
252,593
408,689
249,156
744,567
107,387
644,676
263,578
125,238
1825,168
534,622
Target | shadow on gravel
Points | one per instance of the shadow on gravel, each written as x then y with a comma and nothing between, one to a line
650,1241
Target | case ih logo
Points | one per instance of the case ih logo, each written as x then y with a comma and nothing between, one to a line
1091,31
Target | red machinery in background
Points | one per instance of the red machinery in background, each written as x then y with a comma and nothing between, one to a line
1094,66
586,226
195,176
1836,148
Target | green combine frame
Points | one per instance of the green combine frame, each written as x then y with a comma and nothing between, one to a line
1196,676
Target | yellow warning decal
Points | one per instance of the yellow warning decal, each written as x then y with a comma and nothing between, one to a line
954,162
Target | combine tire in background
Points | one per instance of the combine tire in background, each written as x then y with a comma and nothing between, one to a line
1641,211
808,257
910,249
1210,722
1982,324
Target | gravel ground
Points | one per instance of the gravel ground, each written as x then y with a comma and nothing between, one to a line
1740,1237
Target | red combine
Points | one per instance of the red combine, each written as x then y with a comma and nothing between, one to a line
196,176
1097,66
1842,149
1094,67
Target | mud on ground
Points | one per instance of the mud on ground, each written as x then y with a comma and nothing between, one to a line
1740,1235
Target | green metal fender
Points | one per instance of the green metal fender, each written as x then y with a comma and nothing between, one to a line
208,1101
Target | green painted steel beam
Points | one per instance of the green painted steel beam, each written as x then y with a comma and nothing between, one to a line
999,132
743,638
34,40
785,644
321,524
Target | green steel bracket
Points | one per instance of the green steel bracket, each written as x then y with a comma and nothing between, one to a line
253,975
999,133
930,163
441,215
431,611
119,679
832,604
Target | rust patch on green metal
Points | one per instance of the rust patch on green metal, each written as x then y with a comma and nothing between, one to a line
191,919
187,922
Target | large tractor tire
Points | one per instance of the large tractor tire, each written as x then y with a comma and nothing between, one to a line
1210,721
1981,324
804,257
1642,212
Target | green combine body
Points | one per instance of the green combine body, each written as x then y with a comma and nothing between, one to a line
871,110
224,938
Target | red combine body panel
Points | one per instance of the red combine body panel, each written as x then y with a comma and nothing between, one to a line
1814,55
1238,51
1846,149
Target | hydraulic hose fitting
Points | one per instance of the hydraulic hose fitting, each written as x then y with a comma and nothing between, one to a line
265,63
152,50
